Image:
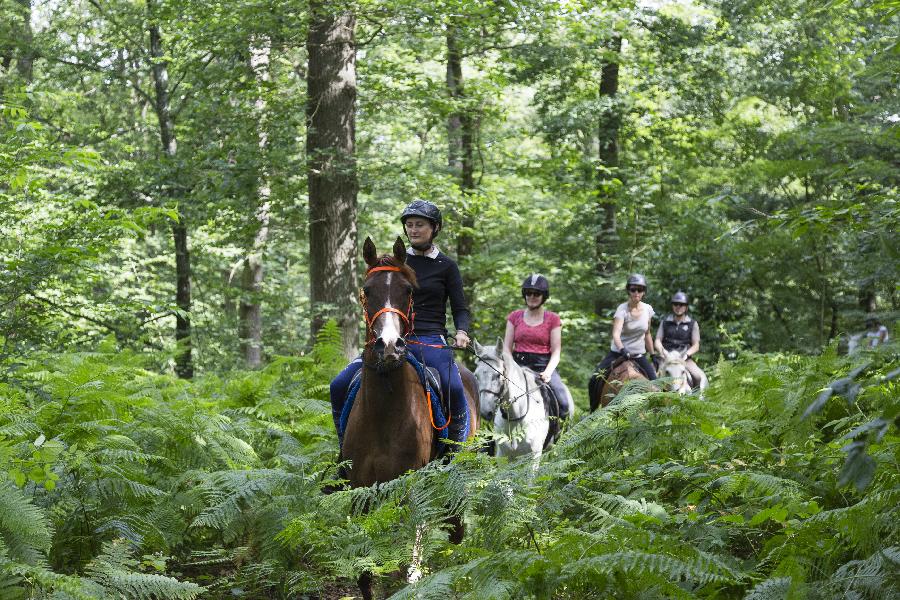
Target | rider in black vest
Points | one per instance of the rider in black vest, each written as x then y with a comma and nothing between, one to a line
679,332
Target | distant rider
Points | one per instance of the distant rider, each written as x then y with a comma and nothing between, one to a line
534,337
630,332
679,332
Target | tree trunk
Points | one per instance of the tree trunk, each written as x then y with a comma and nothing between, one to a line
331,167
250,313
460,155
867,298
608,154
25,60
184,366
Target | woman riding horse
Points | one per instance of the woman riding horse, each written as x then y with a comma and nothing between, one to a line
534,338
439,280
630,335
679,332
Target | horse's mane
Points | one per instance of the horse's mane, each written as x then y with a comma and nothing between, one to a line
388,260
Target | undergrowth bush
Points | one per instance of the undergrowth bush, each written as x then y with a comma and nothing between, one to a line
120,482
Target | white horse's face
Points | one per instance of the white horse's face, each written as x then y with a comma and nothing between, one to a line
487,375
674,366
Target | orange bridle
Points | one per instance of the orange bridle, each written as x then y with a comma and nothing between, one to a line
407,317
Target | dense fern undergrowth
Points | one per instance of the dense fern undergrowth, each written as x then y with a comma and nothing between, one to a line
119,482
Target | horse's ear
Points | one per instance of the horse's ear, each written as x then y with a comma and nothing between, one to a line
369,252
479,349
684,355
400,250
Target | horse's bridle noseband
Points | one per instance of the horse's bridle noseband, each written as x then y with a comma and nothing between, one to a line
505,390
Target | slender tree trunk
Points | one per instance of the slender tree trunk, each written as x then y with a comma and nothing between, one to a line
25,59
184,365
331,166
608,155
251,310
833,328
867,298
461,152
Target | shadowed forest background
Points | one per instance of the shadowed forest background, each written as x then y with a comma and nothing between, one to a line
184,189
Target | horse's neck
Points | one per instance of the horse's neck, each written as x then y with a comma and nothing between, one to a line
522,382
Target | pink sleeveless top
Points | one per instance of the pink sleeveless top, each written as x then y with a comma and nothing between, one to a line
532,338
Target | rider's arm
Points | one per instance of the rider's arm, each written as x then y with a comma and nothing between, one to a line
508,338
659,339
618,322
695,341
555,351
462,318
648,342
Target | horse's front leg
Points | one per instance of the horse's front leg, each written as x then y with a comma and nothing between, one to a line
457,529
414,573
365,585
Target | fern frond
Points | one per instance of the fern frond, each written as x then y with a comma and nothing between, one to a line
776,588
113,570
24,530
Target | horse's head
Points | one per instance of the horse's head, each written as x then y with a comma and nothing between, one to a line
489,375
386,297
674,365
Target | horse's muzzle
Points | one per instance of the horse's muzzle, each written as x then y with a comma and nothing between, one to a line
389,356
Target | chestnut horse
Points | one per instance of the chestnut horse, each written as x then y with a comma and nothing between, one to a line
390,429
622,371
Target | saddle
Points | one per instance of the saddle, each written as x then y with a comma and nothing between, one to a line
430,380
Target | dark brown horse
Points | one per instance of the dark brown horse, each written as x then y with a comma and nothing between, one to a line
390,429
622,371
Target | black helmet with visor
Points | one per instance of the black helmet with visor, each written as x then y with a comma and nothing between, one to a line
536,282
426,210
680,297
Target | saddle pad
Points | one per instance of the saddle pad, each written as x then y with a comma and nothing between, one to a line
434,381
429,382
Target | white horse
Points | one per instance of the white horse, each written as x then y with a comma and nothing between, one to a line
674,365
512,395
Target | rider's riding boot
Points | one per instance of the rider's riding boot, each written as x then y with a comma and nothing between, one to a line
457,430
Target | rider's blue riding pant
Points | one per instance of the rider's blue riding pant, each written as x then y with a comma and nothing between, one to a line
438,358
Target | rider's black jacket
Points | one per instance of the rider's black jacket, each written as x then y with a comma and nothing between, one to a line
439,279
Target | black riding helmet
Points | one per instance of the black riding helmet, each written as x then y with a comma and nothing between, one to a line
680,298
538,282
426,210
636,279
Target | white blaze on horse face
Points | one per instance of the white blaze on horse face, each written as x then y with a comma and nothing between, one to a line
390,322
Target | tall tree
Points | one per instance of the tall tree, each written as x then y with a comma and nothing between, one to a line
183,359
331,169
461,141
608,173
250,312
25,60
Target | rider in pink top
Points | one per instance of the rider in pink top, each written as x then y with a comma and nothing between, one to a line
534,337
